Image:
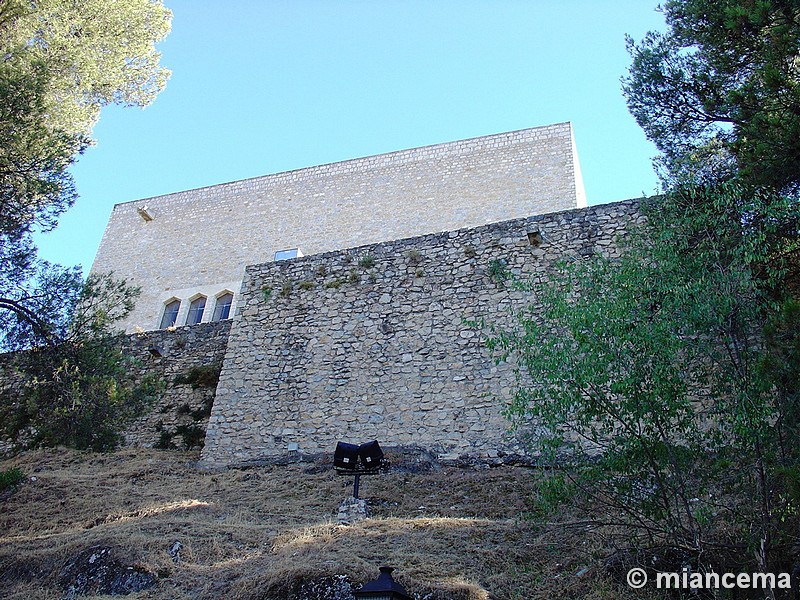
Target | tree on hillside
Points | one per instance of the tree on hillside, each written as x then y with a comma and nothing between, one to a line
668,378
719,92
650,375
60,63
80,392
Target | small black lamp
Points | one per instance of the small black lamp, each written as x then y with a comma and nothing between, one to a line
382,588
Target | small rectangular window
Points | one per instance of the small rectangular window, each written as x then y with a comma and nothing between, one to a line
287,254
196,309
222,310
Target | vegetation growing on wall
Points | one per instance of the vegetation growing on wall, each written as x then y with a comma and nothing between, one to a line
286,288
414,257
200,376
668,378
367,261
498,271
190,428
81,391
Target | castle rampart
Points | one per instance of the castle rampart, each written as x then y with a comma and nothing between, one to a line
372,342
186,361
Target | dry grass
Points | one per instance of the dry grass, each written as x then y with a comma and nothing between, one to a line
258,533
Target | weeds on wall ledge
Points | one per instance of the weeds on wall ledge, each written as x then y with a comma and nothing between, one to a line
499,272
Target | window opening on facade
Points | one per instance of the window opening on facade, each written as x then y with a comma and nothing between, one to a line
222,310
196,309
535,238
170,314
287,254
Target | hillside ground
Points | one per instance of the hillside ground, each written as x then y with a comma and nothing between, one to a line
267,532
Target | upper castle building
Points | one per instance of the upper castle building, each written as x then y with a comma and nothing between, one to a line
188,250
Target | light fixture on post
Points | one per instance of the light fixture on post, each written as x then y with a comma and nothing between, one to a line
382,588
358,460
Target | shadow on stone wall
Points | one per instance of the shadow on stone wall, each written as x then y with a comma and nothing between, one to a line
188,360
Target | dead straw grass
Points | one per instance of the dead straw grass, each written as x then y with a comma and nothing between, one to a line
259,533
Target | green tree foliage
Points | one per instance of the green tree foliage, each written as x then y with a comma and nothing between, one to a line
719,92
80,392
94,53
652,375
60,62
10,478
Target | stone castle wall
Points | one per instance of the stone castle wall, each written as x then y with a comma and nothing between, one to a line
198,242
187,361
372,342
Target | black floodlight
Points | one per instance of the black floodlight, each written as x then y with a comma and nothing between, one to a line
346,456
366,459
382,588
371,455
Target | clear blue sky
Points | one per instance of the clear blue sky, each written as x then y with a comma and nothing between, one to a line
263,86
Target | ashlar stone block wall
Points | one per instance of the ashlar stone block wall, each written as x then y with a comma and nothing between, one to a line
372,342
197,242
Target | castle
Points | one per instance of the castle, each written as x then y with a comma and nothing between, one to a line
365,333
187,251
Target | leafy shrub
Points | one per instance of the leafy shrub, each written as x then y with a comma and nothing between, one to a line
200,376
193,436
498,271
204,411
10,478
366,262
334,284
414,257
165,441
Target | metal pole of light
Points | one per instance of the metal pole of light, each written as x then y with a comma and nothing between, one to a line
356,485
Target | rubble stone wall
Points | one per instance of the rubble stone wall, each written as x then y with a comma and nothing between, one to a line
187,361
375,342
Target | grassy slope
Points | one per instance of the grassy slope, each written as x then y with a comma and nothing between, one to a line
255,533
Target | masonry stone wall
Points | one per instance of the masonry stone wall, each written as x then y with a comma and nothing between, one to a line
373,342
197,242
187,361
